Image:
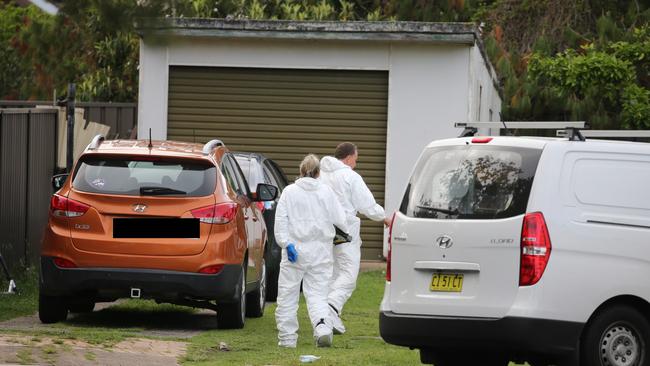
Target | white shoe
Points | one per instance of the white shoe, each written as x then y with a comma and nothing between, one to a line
337,323
323,335
287,344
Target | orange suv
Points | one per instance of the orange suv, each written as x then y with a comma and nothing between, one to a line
169,221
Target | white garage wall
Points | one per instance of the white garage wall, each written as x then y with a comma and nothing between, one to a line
430,85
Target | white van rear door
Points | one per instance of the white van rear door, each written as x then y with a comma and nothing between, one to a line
456,239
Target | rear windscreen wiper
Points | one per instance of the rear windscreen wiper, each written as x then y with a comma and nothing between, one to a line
156,191
441,210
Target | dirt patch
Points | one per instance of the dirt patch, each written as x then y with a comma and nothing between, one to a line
44,350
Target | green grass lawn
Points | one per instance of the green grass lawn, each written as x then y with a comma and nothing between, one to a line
23,303
256,344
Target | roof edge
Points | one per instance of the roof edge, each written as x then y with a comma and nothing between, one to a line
464,33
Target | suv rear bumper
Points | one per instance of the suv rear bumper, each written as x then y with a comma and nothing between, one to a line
510,335
113,283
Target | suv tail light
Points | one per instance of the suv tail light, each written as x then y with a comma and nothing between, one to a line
535,249
214,269
64,263
390,247
65,207
221,213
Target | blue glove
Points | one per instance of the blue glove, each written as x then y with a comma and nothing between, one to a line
292,253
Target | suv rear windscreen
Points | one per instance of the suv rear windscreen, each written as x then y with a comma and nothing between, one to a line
145,176
471,182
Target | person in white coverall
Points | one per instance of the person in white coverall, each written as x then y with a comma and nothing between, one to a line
304,227
353,194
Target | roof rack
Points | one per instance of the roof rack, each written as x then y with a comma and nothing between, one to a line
210,145
608,133
94,144
471,128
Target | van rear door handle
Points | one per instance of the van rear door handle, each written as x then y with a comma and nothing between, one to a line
447,266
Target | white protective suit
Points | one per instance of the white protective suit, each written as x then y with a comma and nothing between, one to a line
354,196
305,216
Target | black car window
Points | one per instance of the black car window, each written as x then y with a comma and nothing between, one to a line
471,182
150,175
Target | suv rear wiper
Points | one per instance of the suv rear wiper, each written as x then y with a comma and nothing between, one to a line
441,210
156,191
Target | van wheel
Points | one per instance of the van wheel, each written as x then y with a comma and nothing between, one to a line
256,300
51,309
617,337
233,315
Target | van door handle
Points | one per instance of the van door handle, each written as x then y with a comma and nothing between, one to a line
245,217
255,218
447,266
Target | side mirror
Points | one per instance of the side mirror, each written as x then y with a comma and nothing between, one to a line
58,181
265,192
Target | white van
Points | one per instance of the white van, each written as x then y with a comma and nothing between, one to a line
523,249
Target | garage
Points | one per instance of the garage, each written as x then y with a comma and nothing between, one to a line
288,88
286,114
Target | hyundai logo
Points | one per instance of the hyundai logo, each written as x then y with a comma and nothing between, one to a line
444,242
139,207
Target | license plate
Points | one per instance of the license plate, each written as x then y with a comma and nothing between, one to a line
446,282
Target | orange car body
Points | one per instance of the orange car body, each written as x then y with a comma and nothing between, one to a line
82,256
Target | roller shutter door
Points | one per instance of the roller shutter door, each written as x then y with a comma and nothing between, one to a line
285,114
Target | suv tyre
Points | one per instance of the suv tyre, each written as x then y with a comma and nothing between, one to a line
617,336
51,309
233,315
255,300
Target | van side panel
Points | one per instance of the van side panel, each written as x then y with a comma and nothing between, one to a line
596,201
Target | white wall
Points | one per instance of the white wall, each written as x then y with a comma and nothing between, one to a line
431,86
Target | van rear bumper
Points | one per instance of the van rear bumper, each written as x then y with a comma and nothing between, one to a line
509,335
114,283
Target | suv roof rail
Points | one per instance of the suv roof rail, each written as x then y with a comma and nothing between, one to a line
210,145
96,141
471,128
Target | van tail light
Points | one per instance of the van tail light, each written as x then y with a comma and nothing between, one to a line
214,269
390,248
221,213
64,263
535,249
65,207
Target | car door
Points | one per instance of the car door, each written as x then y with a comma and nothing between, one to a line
254,222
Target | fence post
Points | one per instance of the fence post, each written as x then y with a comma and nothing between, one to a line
70,119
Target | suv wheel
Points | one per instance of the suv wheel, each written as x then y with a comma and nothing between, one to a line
233,315
256,300
51,309
617,337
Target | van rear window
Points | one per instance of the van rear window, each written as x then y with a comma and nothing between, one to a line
471,182
145,176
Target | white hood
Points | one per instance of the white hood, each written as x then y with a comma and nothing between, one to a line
308,184
330,164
